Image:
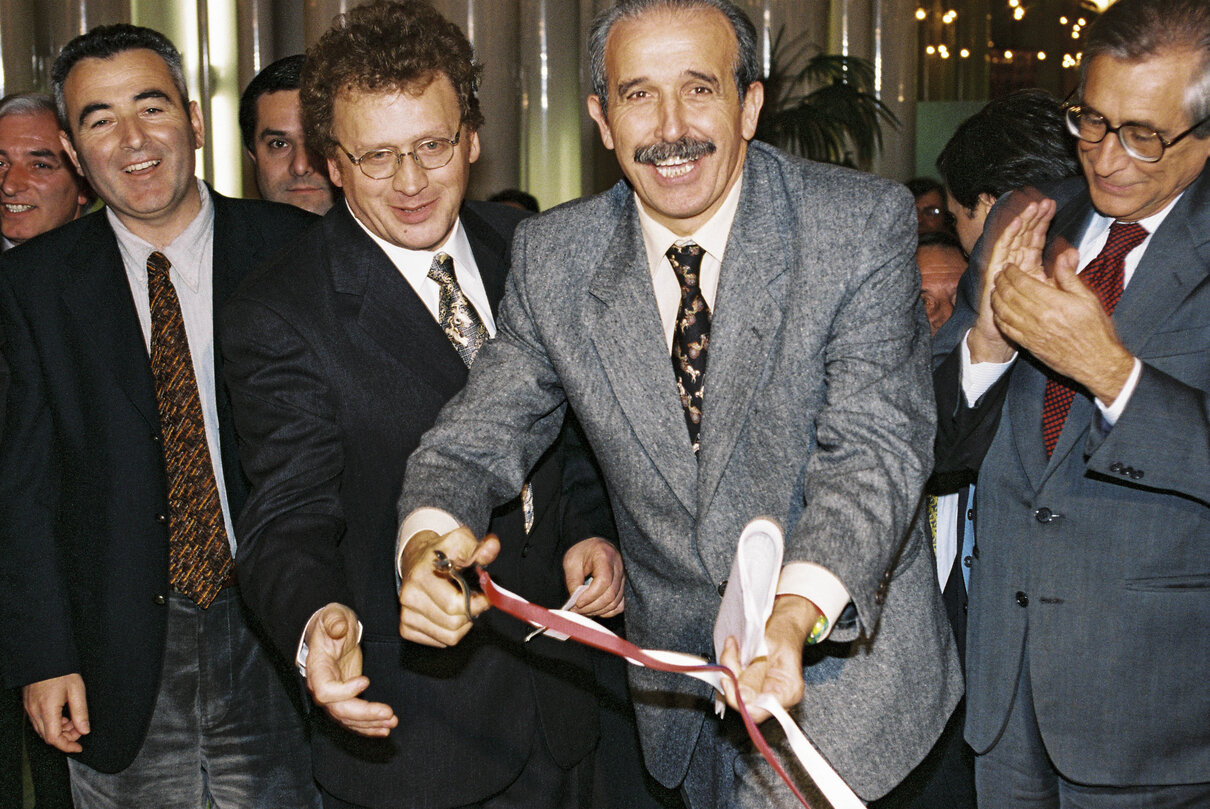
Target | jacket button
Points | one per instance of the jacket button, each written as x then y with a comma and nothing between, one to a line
159,599
1135,474
1022,599
161,518
970,514
879,596
1116,467
966,561
525,550
1044,515
722,588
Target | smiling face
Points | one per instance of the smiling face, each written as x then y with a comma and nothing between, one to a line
674,115
1149,92
39,189
134,141
416,208
285,170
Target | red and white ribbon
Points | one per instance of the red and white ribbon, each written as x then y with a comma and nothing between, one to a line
589,632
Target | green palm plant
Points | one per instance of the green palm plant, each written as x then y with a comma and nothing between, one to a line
838,119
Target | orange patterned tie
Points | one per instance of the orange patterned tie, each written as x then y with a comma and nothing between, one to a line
1104,275
691,336
199,558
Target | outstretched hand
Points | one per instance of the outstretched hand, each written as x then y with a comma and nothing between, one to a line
334,675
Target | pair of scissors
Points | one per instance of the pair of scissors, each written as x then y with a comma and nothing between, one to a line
445,568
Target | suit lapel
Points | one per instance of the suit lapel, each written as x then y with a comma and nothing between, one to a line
626,331
1177,260
388,310
97,293
743,331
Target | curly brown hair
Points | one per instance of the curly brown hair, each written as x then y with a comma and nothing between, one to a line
385,46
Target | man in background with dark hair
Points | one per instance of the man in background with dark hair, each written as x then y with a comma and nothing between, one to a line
119,478
1015,141
340,353
270,123
1080,396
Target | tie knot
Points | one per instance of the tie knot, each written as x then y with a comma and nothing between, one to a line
686,261
1124,237
442,270
158,263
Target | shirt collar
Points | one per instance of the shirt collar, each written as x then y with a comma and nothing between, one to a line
185,250
711,236
414,264
1101,223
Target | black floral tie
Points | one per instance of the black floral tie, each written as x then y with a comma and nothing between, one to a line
691,336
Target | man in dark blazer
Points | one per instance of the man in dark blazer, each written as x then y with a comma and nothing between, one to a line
816,411
111,474
339,355
1087,675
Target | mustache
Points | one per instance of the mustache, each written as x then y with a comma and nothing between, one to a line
684,148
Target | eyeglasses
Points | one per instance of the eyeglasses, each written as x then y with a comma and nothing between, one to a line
1139,141
429,154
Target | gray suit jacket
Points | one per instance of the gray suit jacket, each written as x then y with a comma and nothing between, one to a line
1095,560
816,413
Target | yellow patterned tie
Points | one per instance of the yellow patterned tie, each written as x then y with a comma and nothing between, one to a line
199,557
462,324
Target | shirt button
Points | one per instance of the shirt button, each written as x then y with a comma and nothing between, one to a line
966,560
1022,599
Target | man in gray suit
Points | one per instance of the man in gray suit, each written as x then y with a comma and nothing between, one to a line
1085,397
797,281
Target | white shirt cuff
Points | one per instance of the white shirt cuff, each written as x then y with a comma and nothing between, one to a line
1112,413
819,586
300,656
977,378
422,519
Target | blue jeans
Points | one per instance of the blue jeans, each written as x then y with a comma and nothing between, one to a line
223,730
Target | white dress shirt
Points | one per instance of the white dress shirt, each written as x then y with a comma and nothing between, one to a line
192,257
977,378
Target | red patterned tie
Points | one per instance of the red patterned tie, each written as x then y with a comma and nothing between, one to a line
199,558
1103,276
691,336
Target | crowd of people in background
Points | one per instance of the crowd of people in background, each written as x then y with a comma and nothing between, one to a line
246,445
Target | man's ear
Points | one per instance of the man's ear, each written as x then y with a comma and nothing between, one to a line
70,149
334,167
597,114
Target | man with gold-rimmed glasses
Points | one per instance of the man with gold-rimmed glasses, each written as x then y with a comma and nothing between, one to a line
339,355
1083,390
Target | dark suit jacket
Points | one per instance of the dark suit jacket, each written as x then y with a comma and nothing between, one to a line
1094,561
83,549
336,369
